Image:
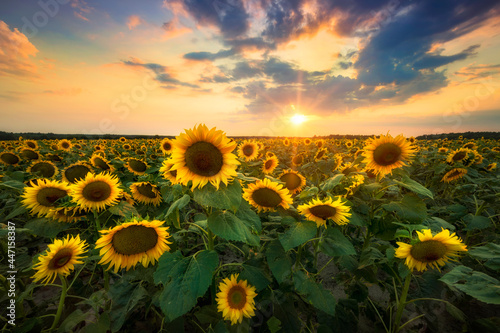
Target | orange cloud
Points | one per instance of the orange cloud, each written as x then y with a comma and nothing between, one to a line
64,91
134,21
15,52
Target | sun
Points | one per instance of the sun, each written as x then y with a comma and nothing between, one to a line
298,119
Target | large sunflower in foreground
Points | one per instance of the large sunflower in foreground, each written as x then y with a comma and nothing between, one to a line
133,242
42,196
454,174
386,153
248,150
146,193
96,192
266,195
61,258
294,181
201,155
431,250
320,211
236,299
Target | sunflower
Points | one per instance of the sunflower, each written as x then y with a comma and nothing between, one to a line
320,211
146,193
166,146
61,258
167,173
31,144
491,167
64,145
347,168
45,168
101,163
470,145
29,154
9,158
201,155
293,180
320,154
387,153
75,172
53,157
348,144
337,158
95,192
319,143
307,141
270,154
126,146
122,139
430,250
136,166
442,150
454,174
137,241
248,150
298,159
286,142
236,299
458,155
266,195
42,196
269,165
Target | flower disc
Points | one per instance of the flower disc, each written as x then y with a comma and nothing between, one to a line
46,169
267,196
146,193
9,158
95,192
42,196
387,153
320,211
75,172
294,181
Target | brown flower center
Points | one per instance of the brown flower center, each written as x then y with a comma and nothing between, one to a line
248,150
323,211
236,297
266,197
387,154
146,190
137,166
47,196
204,159
60,259
291,180
101,164
76,172
134,239
428,251
47,170
97,191
9,158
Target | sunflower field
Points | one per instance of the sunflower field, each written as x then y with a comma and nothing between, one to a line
205,233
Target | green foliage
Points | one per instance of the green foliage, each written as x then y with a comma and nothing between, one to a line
297,234
226,197
228,226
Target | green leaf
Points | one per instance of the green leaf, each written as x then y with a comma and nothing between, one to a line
410,208
274,324
436,224
308,192
314,293
46,228
184,280
330,183
16,212
476,284
489,252
248,216
297,234
102,325
334,243
226,225
178,204
476,222
124,209
72,320
13,185
226,197
414,186
255,276
278,260
125,296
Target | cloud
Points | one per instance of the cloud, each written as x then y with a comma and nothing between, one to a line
229,16
64,91
15,53
162,74
481,71
81,9
134,21
437,60
202,56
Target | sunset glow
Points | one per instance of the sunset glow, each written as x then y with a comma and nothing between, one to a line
93,67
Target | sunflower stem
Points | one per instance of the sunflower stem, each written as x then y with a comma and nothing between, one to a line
402,303
210,236
106,280
61,304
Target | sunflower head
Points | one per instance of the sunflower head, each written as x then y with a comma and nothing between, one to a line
41,197
320,154
167,173
46,169
201,155
29,154
166,146
31,144
64,145
96,192
136,166
133,242
75,172
146,193
429,250
454,174
248,150
387,153
267,195
236,299
101,163
269,165
320,211
60,258
491,167
9,158
298,159
293,180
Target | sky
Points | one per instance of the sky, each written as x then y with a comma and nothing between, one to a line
250,67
